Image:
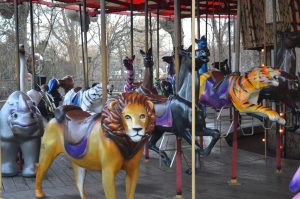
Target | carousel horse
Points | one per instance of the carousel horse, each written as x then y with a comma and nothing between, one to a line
108,142
89,99
130,84
218,91
43,101
294,185
173,114
202,44
21,128
286,59
166,86
222,66
67,83
53,86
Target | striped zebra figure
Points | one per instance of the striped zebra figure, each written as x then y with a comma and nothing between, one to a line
88,100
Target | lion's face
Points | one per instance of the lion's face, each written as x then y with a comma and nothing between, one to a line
135,119
130,114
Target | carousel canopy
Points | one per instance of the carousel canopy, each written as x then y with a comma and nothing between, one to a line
166,7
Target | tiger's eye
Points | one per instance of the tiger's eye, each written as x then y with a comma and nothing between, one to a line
127,117
142,116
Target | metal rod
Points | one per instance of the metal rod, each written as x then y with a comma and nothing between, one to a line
86,67
103,52
237,38
193,103
234,147
229,38
146,26
177,39
219,36
82,42
206,19
198,20
32,46
131,28
16,14
157,42
274,27
150,31
178,168
278,143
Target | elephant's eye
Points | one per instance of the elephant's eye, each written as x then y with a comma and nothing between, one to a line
142,116
127,117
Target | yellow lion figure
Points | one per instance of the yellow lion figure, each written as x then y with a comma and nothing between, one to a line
108,142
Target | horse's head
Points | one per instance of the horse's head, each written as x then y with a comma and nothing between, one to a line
148,59
202,42
170,61
67,83
201,56
128,62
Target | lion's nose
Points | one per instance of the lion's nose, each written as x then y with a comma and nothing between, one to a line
137,129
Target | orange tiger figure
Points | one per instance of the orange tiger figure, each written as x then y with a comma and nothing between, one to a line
242,91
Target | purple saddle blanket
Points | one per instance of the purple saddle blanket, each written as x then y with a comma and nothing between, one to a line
78,150
165,119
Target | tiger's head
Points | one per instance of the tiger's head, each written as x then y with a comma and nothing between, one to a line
264,76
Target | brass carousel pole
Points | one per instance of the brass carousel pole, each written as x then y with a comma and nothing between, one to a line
146,26
33,81
177,38
82,42
16,14
177,29
193,104
131,28
103,52
86,68
157,42
233,180
146,49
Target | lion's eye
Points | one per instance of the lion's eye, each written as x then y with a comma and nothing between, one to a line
142,116
127,117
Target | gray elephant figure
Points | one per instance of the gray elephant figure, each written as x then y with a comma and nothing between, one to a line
21,127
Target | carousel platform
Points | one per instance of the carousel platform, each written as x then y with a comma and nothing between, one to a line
255,173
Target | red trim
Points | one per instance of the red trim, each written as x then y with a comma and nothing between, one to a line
178,167
234,145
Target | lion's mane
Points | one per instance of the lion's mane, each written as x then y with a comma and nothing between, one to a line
111,117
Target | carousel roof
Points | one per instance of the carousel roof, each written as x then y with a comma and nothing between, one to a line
166,7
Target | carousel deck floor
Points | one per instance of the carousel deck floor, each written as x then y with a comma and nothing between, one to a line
255,173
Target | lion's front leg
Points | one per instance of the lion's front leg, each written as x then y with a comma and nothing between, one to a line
131,181
255,108
108,183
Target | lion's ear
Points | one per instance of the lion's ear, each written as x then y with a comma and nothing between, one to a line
112,104
150,104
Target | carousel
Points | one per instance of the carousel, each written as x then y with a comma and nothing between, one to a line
232,132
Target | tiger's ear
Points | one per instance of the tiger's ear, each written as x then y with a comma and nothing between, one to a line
112,104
